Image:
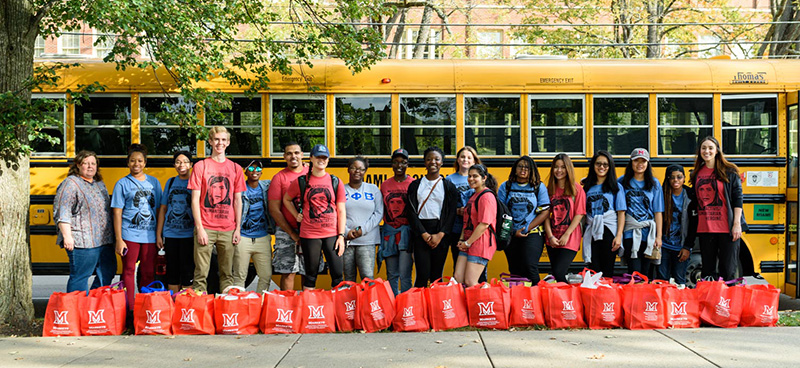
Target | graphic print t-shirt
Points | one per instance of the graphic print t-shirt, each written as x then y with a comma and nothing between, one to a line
395,201
643,204
178,222
486,213
522,201
599,202
138,201
279,186
319,209
563,209
672,236
254,225
711,209
217,183
465,192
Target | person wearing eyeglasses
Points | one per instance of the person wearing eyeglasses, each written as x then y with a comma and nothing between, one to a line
605,214
257,226
176,224
364,212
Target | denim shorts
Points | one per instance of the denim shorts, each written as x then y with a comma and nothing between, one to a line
474,259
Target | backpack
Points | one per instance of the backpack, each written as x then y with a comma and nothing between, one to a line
502,210
302,181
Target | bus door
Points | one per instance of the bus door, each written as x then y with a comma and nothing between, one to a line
792,209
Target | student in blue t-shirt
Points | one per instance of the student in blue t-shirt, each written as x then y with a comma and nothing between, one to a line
643,219
257,225
605,214
134,204
175,231
680,226
527,199
465,158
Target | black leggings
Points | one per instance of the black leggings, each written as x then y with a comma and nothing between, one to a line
639,264
523,256
428,262
719,247
311,252
560,260
603,258
180,260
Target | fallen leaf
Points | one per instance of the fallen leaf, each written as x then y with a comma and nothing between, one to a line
383,348
187,359
409,350
462,345
512,329
12,352
71,343
690,342
476,341
552,338
575,343
13,336
597,356
19,358
238,357
610,337
439,341
170,337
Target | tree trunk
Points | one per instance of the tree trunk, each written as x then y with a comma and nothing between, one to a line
654,10
398,36
423,37
17,39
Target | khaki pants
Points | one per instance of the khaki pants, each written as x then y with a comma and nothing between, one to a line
261,252
202,257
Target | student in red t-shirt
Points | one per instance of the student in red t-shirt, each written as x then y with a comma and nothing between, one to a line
477,244
323,218
720,222
567,208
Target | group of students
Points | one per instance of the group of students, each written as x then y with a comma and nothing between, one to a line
317,219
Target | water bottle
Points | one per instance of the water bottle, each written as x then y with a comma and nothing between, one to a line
161,262
505,228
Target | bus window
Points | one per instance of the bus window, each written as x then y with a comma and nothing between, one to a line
750,124
243,121
42,147
557,124
428,121
492,124
620,123
163,137
297,118
363,125
682,122
793,146
103,125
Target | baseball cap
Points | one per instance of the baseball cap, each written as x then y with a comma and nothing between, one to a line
320,150
400,152
640,153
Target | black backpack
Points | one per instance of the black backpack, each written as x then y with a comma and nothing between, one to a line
502,209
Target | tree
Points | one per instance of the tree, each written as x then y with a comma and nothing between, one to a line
193,40
783,11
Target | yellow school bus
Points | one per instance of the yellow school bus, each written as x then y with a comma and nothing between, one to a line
503,108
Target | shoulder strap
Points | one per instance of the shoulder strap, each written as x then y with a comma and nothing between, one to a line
335,186
302,182
169,185
429,194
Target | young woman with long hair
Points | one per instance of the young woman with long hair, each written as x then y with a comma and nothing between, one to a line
605,214
567,208
680,225
465,158
643,218
477,244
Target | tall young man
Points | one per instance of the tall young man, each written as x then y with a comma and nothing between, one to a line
217,185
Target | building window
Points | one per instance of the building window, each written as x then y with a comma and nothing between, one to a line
557,123
43,147
161,136
430,51
492,124
70,44
620,123
103,125
427,121
490,37
750,124
243,121
363,125
297,118
38,47
103,48
682,122
708,46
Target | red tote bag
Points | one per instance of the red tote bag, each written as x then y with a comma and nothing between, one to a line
682,307
317,314
102,312
376,305
412,312
194,313
280,313
643,305
488,305
447,305
62,317
152,313
526,306
562,305
602,306
237,313
760,306
345,301
721,305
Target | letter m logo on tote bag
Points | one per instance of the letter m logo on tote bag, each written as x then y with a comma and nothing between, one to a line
486,309
60,318
408,312
230,320
187,315
96,317
678,309
315,312
284,316
153,316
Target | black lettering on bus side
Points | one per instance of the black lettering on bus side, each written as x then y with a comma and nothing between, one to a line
376,179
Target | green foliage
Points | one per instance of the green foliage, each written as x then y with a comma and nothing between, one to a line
789,319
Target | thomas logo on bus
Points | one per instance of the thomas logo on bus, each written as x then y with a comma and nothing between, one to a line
749,78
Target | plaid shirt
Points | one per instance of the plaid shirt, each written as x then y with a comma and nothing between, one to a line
87,208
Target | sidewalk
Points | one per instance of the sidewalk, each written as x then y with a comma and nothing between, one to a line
705,347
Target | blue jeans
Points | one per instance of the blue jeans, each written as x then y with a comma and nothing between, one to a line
670,267
398,271
83,262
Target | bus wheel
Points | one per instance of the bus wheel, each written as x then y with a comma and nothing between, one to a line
693,270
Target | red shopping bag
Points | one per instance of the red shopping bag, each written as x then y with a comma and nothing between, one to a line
280,313
643,305
237,313
602,306
682,307
447,305
526,306
562,305
345,300
152,313
488,305
317,314
412,311
194,313
760,307
102,312
720,304
62,317
376,305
